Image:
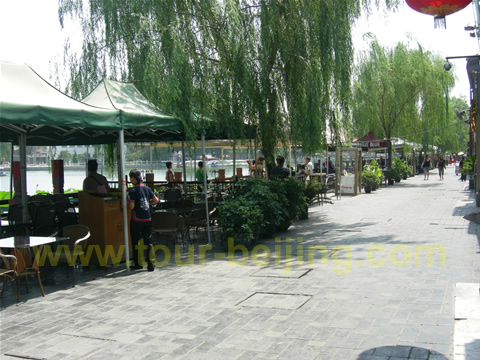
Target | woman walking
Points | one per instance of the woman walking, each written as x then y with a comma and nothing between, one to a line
441,167
427,163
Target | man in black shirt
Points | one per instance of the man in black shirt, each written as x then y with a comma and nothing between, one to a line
280,170
140,198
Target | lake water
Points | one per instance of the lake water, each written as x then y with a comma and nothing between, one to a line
42,179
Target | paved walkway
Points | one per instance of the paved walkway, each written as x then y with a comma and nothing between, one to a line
369,277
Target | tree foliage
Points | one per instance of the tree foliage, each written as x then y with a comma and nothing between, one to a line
403,92
65,156
281,65
5,151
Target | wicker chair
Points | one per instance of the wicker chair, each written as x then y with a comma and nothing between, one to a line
17,266
77,243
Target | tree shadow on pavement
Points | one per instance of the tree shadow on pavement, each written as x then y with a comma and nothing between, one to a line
400,352
403,185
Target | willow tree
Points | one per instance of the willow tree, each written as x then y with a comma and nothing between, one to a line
401,92
283,66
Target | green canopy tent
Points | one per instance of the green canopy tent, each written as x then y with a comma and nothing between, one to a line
141,121
34,112
30,106
131,103
125,97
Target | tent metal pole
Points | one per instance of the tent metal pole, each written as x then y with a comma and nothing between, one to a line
11,171
184,168
205,188
22,140
123,185
234,160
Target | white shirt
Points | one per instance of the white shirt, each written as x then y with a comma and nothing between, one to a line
308,169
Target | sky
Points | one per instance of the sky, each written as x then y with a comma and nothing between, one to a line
30,33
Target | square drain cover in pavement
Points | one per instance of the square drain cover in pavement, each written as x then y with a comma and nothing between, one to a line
276,301
281,272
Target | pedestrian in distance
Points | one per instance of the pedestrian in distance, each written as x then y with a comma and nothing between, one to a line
280,170
463,177
169,175
441,167
426,165
140,198
199,176
256,167
308,167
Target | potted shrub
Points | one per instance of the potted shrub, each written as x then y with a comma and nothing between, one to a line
291,197
314,188
392,176
401,168
376,169
369,179
406,171
257,189
373,166
280,201
240,219
468,168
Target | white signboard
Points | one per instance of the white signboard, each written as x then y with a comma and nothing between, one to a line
347,184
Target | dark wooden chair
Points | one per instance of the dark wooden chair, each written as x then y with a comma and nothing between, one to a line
164,222
66,215
44,220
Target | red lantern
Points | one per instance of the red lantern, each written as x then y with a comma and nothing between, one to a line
438,8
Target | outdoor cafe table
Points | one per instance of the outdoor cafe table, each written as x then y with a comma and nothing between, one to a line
23,242
321,176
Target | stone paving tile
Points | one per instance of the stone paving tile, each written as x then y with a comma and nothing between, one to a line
365,298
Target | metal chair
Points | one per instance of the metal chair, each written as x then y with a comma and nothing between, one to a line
198,218
60,198
66,215
17,227
44,220
168,223
15,215
40,198
172,197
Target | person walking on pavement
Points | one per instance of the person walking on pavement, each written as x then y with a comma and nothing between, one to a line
463,177
427,163
140,197
441,167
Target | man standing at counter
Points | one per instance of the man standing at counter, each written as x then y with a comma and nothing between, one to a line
95,182
140,197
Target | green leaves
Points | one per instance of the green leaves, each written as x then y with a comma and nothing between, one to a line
401,92
282,65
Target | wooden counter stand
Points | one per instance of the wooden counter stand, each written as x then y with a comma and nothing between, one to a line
104,217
